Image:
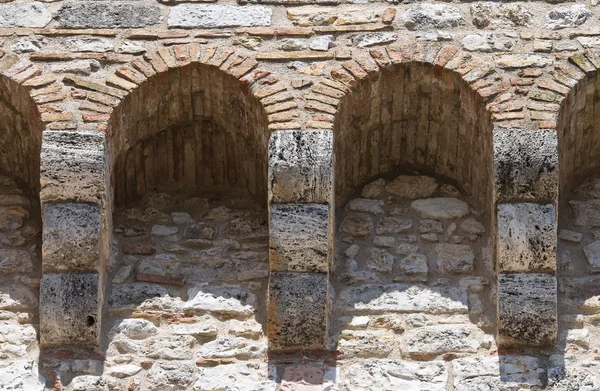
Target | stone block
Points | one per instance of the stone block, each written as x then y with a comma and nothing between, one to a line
32,14
525,165
70,309
298,310
300,166
106,14
527,313
380,374
212,15
430,341
299,239
71,237
72,166
527,238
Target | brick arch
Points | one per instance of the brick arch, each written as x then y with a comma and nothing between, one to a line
21,123
188,119
379,127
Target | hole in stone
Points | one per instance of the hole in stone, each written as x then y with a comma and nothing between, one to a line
90,321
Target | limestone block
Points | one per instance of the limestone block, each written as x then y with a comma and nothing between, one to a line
72,166
430,341
209,16
527,238
297,310
525,165
299,239
432,16
32,14
404,298
300,166
70,309
441,208
483,373
227,300
105,14
71,237
527,312
564,17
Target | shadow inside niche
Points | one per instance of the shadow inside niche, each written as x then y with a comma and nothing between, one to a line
20,272
186,294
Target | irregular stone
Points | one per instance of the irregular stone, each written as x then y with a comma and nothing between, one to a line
132,295
441,208
11,217
160,264
455,258
31,15
405,249
404,298
522,61
70,309
352,251
247,329
127,47
412,268
17,296
357,225
499,16
592,254
586,213
527,309
526,237
476,43
22,375
242,377
429,341
123,371
380,260
366,205
298,313
369,39
321,16
196,329
590,188
84,67
212,15
15,261
432,16
163,230
426,226
393,225
88,44
321,43
229,347
579,337
373,189
370,343
472,226
226,299
384,241
385,374
567,17
171,376
136,328
293,44
496,373
171,347
88,383
410,186
105,14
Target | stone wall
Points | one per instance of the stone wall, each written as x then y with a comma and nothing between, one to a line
294,107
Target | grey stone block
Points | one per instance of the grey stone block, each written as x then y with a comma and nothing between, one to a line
299,239
71,238
72,166
207,16
32,14
525,165
70,309
97,15
527,237
300,166
298,310
527,313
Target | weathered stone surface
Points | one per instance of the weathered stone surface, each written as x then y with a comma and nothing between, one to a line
298,310
527,309
357,225
570,236
441,208
370,39
590,188
525,165
299,239
526,237
135,328
369,343
410,186
122,371
230,347
373,189
380,260
383,374
393,225
71,238
569,16
105,14
404,298
228,300
592,253
15,261
497,372
366,205
497,16
300,166
70,309
430,341
242,377
586,213
455,258
22,375
432,16
12,217
32,14
17,297
320,16
208,16
72,165
132,295
411,268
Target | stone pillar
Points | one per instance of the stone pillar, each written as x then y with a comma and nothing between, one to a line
301,238
526,193
75,245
